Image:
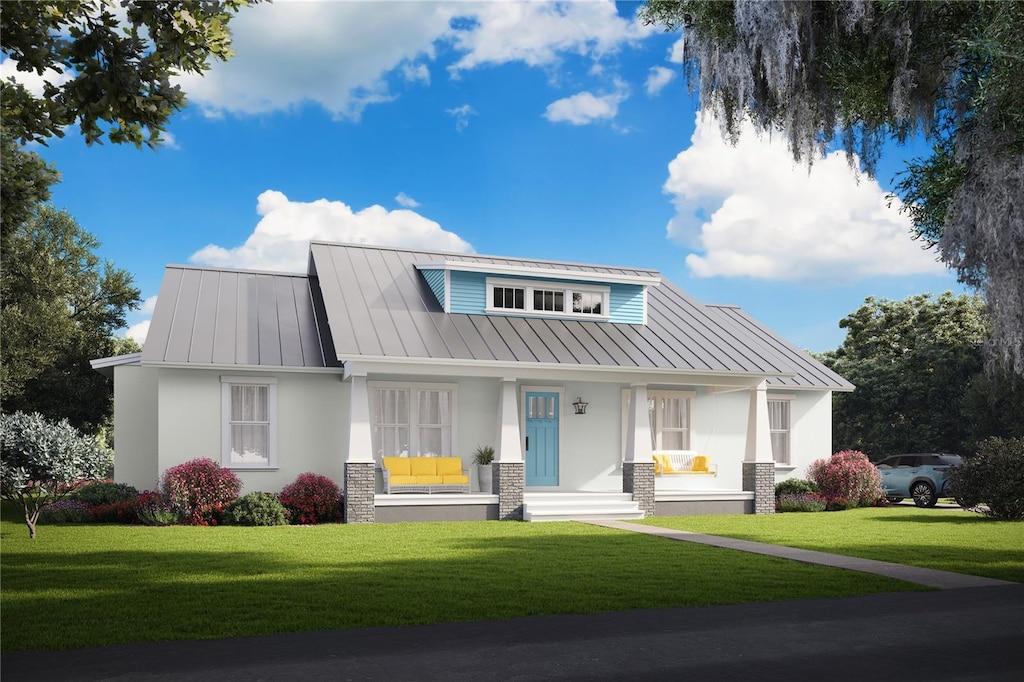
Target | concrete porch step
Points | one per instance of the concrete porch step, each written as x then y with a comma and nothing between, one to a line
554,506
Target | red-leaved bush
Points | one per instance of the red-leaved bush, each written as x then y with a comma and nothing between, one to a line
848,477
312,498
200,489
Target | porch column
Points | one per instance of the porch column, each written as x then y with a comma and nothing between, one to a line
759,463
509,477
638,467
359,465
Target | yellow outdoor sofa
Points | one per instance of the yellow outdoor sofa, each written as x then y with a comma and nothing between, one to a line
683,462
425,475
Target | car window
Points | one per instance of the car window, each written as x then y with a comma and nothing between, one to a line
950,460
910,461
888,463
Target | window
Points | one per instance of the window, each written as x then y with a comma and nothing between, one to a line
669,414
249,413
547,298
778,424
412,420
509,298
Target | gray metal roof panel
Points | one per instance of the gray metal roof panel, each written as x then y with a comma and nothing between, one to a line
231,317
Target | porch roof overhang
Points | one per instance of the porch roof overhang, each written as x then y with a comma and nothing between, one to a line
364,366
105,366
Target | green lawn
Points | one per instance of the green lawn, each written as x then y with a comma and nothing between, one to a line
78,586
946,539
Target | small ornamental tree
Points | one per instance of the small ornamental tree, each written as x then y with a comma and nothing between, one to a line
312,498
42,462
847,475
992,483
200,489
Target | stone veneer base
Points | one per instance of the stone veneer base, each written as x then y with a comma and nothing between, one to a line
638,479
759,478
360,482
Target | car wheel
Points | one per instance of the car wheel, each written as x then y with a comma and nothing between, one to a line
923,494
894,500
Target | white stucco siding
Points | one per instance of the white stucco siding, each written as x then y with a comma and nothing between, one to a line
312,419
135,426
591,457
719,430
811,419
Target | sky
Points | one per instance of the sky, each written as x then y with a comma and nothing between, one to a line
540,130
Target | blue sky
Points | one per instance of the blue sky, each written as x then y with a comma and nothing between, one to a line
544,130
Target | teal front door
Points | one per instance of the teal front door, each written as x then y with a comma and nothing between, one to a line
541,438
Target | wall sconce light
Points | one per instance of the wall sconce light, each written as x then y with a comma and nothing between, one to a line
580,406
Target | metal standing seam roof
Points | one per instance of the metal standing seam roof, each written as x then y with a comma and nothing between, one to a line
366,301
234,317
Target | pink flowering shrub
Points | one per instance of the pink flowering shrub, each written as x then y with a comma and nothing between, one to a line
200,489
848,477
312,498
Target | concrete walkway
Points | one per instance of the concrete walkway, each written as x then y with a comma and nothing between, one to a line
943,580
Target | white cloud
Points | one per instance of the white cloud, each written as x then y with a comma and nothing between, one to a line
170,142
461,115
281,238
138,332
148,306
535,33
657,78
675,53
32,81
342,55
749,211
405,200
583,108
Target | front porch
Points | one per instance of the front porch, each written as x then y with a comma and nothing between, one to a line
556,505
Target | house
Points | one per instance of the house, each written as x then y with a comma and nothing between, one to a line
378,351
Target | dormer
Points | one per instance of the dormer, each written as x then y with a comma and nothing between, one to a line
525,290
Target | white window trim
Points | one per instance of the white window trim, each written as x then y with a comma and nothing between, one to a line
789,430
414,386
226,382
529,285
685,395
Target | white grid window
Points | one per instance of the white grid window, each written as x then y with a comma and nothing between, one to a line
412,420
249,414
547,298
778,424
669,413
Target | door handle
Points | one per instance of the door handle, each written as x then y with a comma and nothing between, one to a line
527,442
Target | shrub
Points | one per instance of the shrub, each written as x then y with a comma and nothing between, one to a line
799,502
847,475
116,512
41,462
312,498
994,477
155,509
199,489
66,511
105,492
794,486
842,503
257,509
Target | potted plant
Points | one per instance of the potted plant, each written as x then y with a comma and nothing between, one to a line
483,457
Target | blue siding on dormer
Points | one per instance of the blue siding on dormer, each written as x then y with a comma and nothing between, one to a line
435,280
469,295
469,292
626,303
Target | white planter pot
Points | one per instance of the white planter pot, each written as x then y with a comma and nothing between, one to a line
483,475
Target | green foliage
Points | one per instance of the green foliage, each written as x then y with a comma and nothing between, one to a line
105,492
66,511
118,63
42,462
992,482
863,72
25,181
799,502
60,307
256,509
912,362
795,486
156,509
484,454
847,479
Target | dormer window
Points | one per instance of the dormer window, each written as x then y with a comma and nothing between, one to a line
557,299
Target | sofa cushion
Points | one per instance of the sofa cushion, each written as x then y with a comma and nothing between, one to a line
426,479
397,466
449,466
700,463
403,480
423,466
455,478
